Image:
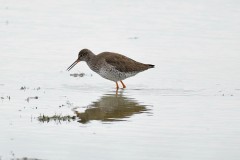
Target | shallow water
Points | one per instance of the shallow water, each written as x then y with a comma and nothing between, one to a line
187,107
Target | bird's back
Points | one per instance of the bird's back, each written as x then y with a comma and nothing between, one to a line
122,63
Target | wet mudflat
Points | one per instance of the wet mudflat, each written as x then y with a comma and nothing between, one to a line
186,108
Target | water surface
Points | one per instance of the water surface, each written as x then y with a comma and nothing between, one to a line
187,107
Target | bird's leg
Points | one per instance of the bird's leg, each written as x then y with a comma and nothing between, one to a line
123,84
117,86
116,93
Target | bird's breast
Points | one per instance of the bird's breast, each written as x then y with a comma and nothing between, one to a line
93,66
109,72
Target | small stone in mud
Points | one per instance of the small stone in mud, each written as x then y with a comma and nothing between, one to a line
8,97
133,37
77,74
23,88
31,98
38,88
61,105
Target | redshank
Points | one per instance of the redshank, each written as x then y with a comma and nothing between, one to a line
112,66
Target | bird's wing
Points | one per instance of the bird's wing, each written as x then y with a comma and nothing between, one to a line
123,63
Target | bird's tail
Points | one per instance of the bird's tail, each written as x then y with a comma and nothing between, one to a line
151,66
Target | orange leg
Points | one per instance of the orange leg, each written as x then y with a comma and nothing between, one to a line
117,86
123,84
116,92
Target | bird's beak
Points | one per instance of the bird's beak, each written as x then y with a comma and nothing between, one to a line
74,63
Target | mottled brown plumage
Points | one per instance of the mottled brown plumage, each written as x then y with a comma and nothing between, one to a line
123,63
112,66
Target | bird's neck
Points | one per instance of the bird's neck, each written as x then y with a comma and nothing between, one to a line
91,61
91,57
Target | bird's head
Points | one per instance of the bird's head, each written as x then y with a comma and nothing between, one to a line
83,55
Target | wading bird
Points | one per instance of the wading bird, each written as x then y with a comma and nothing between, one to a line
112,66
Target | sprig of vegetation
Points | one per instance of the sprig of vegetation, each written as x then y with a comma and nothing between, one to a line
57,118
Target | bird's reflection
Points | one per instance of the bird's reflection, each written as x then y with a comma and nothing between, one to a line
111,107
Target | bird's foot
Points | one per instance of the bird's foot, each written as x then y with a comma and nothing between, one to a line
123,84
